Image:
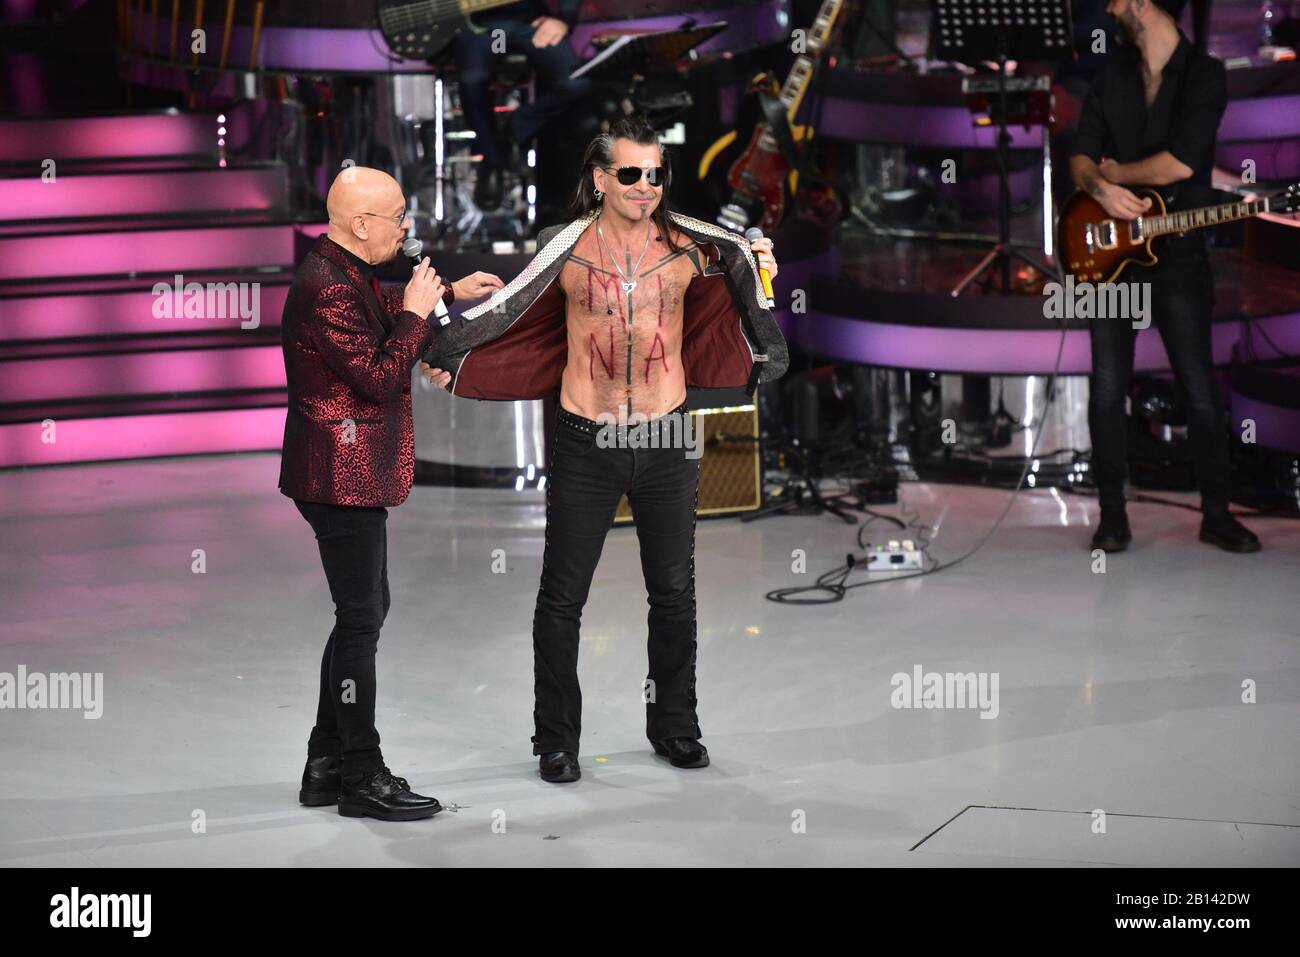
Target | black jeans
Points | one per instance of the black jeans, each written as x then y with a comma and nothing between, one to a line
1182,305
583,486
353,544
478,64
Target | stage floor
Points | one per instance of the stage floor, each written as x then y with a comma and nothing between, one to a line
1119,691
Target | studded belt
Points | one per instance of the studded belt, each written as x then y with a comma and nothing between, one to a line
575,421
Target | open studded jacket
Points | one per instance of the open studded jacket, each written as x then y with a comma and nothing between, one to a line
514,345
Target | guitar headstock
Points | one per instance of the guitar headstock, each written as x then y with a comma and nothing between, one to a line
1286,202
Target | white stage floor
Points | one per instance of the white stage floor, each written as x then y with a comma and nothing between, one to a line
1119,691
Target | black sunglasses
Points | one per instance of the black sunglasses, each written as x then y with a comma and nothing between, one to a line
627,175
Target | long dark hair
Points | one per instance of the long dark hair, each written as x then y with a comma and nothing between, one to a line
600,152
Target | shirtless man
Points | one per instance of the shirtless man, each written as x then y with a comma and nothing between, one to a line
624,285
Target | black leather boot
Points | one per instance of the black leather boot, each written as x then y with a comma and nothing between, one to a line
682,752
385,797
1218,527
320,782
559,767
1112,533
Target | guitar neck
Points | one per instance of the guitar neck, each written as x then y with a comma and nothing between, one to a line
796,82
406,16
1204,216
475,6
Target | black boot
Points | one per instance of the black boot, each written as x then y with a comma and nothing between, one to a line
385,797
1218,527
320,782
1112,533
682,752
559,767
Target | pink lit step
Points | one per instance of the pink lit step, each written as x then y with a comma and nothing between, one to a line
129,312
148,251
165,133
142,436
84,195
62,378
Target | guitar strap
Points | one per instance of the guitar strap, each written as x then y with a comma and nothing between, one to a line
777,121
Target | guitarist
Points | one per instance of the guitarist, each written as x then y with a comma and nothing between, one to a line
1150,119
531,30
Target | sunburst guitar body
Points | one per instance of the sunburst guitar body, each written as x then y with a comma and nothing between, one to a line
1096,247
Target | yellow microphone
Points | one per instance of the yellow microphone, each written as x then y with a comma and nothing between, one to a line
752,233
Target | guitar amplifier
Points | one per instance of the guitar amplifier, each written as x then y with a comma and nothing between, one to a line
730,466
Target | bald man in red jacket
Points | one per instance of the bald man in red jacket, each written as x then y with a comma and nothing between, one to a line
349,456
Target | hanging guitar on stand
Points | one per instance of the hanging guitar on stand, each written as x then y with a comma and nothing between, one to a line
758,181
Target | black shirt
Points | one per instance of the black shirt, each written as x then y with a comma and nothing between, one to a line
1184,118
363,267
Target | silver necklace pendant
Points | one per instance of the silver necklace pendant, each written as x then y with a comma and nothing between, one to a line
628,286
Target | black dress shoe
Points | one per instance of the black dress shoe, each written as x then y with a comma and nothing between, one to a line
559,767
1218,527
682,752
320,782
1112,533
385,797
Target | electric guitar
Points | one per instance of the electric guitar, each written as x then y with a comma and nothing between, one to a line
421,29
1096,247
758,179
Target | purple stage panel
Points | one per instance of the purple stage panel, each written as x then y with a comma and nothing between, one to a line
142,436
141,373
1279,160
125,312
1261,118
146,192
994,351
151,251
1276,427
168,133
321,50
951,127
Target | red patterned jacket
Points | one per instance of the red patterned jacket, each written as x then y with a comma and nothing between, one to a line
348,438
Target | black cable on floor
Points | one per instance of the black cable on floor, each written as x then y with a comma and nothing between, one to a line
833,582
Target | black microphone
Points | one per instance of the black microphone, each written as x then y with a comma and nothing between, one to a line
412,249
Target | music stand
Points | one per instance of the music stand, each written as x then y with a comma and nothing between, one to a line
638,53
977,31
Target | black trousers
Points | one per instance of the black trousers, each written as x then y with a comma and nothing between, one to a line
1182,305
478,63
583,487
353,543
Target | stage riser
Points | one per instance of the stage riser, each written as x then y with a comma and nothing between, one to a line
125,313
144,193
993,351
108,137
137,374
161,252
145,436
